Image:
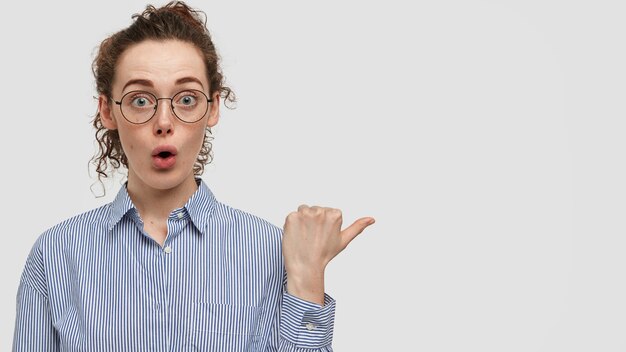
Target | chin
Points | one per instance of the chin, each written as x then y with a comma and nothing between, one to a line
162,179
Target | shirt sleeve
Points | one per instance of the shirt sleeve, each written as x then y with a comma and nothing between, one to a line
33,321
306,326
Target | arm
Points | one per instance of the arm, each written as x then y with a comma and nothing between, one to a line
306,326
302,326
33,321
312,237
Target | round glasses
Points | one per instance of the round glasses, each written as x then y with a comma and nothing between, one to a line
188,105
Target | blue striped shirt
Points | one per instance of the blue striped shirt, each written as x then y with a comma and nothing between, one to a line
98,282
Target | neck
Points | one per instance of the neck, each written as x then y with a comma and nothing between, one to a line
157,203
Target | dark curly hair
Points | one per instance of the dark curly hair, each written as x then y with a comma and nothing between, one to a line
176,20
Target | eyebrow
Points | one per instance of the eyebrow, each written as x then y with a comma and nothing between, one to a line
148,83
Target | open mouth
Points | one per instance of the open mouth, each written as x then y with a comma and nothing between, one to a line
164,154
164,151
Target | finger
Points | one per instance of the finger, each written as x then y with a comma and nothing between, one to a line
355,229
302,207
290,217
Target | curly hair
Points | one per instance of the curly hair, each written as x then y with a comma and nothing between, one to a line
176,20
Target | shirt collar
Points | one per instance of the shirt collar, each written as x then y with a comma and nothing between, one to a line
200,206
120,206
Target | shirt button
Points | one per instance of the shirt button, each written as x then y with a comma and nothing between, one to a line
180,215
310,326
167,249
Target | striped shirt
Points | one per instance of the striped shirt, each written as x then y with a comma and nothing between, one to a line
98,282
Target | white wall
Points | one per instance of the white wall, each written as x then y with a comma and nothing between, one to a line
485,137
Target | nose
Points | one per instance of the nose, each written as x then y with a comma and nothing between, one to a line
163,118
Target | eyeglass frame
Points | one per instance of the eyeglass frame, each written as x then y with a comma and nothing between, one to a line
156,106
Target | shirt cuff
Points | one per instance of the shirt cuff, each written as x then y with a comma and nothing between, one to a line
307,324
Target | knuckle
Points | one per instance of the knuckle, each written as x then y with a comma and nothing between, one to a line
336,213
316,211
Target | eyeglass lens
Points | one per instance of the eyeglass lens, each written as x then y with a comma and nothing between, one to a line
188,105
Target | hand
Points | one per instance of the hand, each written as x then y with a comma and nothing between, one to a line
312,237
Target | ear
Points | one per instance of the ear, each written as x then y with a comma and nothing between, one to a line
106,116
214,110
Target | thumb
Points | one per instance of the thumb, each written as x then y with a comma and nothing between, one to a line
355,229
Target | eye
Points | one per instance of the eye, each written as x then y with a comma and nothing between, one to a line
140,102
186,99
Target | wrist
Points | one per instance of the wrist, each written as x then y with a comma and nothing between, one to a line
307,285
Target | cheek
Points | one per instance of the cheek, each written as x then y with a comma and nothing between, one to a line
127,142
199,137
195,143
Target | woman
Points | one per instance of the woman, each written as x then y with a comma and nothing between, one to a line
165,266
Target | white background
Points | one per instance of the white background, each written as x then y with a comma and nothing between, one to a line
484,136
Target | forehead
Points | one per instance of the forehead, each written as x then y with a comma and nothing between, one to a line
161,62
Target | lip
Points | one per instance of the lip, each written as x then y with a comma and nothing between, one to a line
164,148
164,163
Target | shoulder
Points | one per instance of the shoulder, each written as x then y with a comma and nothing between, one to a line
70,236
52,246
79,226
250,241
246,222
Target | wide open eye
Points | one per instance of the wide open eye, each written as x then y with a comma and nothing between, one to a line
190,105
139,100
186,99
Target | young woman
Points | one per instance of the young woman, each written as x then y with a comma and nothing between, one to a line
166,266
